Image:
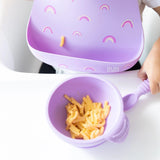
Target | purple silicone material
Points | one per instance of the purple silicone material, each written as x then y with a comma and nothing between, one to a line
117,124
143,88
100,36
121,135
131,99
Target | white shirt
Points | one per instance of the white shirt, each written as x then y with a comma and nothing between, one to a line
149,3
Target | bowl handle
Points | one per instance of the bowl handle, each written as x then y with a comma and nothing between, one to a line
122,133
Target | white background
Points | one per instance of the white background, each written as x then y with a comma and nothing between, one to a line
26,134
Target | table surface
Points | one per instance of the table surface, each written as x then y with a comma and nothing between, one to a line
26,134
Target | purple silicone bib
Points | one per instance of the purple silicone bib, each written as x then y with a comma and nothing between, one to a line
85,35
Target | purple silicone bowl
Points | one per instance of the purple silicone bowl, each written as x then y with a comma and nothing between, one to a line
99,90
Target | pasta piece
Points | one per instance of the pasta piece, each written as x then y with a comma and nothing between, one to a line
73,101
86,120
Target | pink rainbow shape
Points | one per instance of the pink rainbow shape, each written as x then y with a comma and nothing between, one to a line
127,65
50,8
76,33
85,17
127,21
89,69
63,66
104,6
109,38
47,28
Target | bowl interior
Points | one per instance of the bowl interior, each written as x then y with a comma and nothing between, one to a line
78,87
